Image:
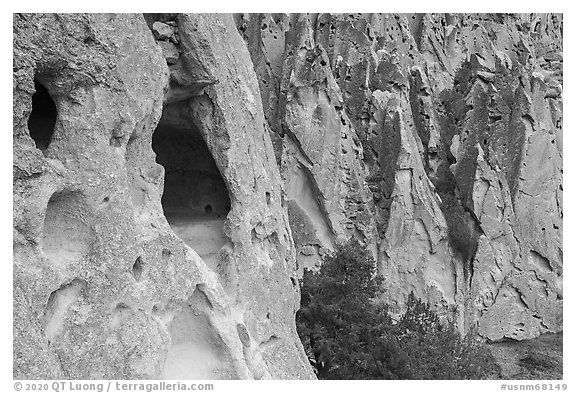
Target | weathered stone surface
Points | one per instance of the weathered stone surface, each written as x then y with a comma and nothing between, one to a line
169,51
105,286
162,31
459,124
174,173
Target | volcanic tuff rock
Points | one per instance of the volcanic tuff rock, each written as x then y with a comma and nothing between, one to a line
436,139
174,173
103,288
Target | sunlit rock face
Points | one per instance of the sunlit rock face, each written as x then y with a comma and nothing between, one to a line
150,239
436,139
173,174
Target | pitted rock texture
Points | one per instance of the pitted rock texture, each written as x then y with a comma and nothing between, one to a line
435,139
106,285
174,173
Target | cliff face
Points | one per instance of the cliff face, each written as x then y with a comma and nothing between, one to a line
106,286
435,139
174,173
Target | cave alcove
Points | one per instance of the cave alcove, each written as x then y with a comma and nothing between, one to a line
42,119
66,234
195,199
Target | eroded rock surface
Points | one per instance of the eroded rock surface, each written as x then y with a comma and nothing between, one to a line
436,139
174,173
106,284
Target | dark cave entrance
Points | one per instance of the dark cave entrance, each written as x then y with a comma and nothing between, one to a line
195,198
42,119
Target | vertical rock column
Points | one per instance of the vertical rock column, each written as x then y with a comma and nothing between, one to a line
258,269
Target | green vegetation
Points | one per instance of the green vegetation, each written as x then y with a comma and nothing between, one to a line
348,334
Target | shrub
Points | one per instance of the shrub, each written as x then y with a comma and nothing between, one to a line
338,323
348,335
435,349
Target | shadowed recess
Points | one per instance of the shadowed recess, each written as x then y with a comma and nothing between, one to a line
195,199
196,351
66,235
42,119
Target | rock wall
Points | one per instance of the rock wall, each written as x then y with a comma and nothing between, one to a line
435,139
103,286
174,173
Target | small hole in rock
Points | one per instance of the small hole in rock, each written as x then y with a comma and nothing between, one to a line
116,141
42,119
106,199
137,269
208,209
268,197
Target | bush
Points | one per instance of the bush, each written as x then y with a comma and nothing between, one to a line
338,323
348,335
435,350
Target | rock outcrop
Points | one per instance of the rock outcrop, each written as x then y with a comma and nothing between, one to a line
434,139
103,286
174,173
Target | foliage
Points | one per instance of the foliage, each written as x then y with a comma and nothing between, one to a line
436,350
336,321
348,335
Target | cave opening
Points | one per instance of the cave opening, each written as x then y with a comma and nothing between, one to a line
195,199
42,119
